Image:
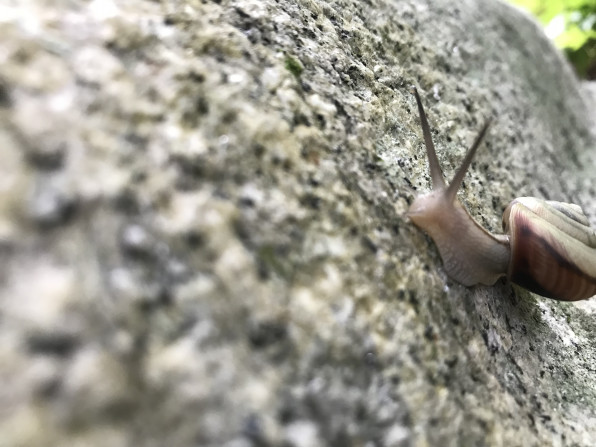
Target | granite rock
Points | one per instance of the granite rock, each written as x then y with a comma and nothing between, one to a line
203,237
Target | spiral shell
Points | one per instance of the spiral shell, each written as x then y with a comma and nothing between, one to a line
553,248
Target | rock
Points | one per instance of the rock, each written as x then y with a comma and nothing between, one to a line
203,237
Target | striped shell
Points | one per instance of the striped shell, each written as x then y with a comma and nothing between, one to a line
553,248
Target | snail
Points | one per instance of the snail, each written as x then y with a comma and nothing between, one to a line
549,247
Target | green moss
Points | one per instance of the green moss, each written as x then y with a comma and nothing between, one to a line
293,65
269,261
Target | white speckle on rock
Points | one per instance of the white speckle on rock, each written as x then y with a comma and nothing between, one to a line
251,192
48,206
201,286
303,304
170,360
40,295
271,78
331,282
123,282
103,9
61,101
233,266
43,372
321,245
94,382
182,214
493,340
136,238
237,78
240,442
321,106
397,436
302,434
223,141
558,324
96,64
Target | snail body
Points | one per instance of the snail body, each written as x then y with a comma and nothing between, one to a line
549,247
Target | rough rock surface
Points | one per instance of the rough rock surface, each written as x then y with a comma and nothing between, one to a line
203,237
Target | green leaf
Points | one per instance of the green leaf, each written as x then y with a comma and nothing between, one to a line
570,23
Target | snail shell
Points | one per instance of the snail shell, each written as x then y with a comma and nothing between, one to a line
553,248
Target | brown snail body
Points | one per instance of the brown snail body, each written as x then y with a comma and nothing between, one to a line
549,247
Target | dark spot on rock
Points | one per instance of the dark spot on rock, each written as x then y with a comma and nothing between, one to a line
137,242
51,207
429,333
259,150
310,200
451,362
287,411
371,359
5,98
201,105
252,428
196,77
59,344
266,333
48,388
246,202
127,202
413,300
368,243
321,120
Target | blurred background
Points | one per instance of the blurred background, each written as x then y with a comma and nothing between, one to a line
571,24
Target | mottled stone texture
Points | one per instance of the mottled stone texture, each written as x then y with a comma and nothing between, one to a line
203,238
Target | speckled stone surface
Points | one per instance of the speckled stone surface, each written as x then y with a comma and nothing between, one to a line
203,238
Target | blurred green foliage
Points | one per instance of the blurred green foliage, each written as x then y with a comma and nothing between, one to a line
572,26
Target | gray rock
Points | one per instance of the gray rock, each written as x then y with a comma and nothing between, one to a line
203,233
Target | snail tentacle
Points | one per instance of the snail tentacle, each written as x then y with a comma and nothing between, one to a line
436,174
